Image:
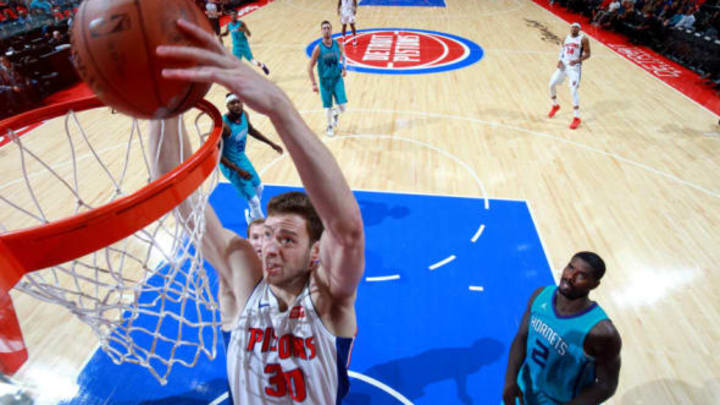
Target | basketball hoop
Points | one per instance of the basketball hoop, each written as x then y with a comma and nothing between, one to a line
119,265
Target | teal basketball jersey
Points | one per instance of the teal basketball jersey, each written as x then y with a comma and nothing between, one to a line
238,37
329,69
556,367
234,145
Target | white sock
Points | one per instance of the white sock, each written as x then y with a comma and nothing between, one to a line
329,115
576,112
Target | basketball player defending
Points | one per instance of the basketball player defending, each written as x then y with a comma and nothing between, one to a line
566,351
234,164
575,50
328,55
241,47
347,10
291,312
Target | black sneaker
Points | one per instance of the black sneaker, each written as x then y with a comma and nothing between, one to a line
265,69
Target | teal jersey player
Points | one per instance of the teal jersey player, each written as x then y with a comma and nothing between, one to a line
328,55
567,351
240,33
234,163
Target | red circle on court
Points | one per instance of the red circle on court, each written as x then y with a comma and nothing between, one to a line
402,50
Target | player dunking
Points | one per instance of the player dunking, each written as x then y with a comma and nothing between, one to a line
234,164
328,55
241,47
292,313
347,9
566,351
576,49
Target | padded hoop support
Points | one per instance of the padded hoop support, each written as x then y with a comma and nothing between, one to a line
44,246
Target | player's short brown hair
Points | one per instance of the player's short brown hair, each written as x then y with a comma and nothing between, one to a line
258,221
325,22
298,203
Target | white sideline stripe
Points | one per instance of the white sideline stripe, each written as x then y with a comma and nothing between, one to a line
383,278
476,288
400,397
477,234
442,262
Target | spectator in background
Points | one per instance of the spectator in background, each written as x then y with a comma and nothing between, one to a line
687,21
601,16
57,39
41,5
16,89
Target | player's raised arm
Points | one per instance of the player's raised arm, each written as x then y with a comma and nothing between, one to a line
232,257
342,245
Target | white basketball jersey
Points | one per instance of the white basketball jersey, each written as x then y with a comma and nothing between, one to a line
572,49
285,357
346,7
212,11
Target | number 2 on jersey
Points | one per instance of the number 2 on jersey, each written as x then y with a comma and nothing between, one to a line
285,382
540,353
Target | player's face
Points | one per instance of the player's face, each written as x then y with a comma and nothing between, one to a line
234,16
577,279
326,30
574,31
235,107
256,236
286,250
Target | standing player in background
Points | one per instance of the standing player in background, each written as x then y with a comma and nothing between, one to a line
328,55
241,47
576,49
566,351
292,314
234,164
347,10
255,234
212,13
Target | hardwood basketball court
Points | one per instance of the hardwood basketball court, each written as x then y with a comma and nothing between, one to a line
637,182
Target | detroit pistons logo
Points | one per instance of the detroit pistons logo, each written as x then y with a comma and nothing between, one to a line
399,51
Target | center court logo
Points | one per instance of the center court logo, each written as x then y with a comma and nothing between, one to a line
403,51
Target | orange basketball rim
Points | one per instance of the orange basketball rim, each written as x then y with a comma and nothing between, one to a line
43,246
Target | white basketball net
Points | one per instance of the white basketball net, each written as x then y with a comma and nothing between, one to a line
147,297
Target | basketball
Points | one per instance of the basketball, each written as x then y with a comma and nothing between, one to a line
113,46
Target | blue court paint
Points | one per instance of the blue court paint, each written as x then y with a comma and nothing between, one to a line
464,52
426,334
403,3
